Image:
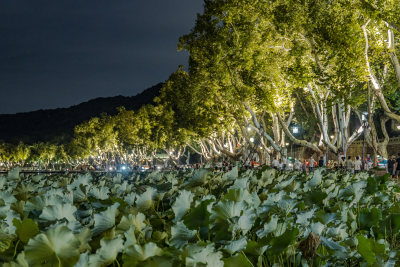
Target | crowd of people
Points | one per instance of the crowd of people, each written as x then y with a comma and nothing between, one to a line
351,164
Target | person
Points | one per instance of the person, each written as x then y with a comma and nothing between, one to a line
357,165
349,164
275,164
312,164
297,165
398,165
304,166
284,163
342,163
390,165
321,162
281,165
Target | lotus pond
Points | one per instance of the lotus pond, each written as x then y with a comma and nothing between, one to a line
200,218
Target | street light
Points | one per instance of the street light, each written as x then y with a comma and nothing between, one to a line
295,130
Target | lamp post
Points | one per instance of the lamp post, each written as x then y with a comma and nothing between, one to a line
364,126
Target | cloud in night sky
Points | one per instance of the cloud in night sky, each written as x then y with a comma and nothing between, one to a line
60,53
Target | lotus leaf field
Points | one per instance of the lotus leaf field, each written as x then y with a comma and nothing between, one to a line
200,218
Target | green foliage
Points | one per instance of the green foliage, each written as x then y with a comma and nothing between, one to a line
26,229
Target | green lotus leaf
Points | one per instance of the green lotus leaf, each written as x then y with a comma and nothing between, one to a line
180,235
7,197
370,249
365,249
238,195
83,260
332,245
5,241
156,261
282,242
369,218
304,217
269,227
195,255
199,216
26,229
315,197
231,175
198,177
317,228
80,193
57,247
101,193
256,248
146,200
182,204
242,183
284,184
237,245
240,260
105,220
316,180
84,236
21,261
136,220
130,198
107,253
326,218
225,210
137,253
246,220
130,237
13,174
58,212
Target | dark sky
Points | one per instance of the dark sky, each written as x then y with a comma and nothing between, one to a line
58,53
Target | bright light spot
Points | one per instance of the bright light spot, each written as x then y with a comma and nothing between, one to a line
398,127
111,168
261,147
170,152
123,167
248,129
287,144
295,130
332,136
252,139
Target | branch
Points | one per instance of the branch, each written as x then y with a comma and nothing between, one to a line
294,139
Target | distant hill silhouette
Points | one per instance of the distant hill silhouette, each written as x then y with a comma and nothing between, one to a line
47,125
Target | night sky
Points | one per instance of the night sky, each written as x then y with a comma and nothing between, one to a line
58,53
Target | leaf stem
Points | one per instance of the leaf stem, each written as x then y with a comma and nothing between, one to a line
15,250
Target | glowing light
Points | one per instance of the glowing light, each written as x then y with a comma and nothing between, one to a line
287,144
252,139
295,130
332,136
